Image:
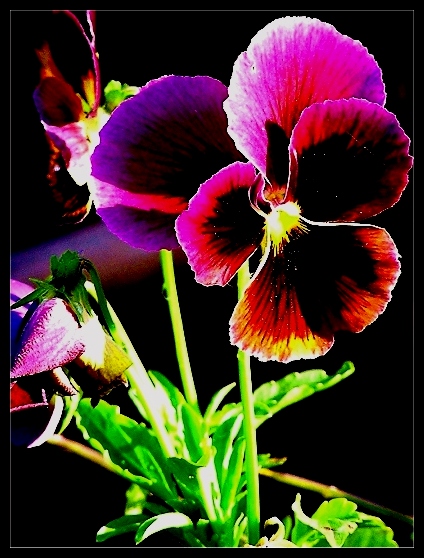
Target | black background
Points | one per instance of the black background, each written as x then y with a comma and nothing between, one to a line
358,435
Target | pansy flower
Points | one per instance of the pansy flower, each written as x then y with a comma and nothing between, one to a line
71,114
305,106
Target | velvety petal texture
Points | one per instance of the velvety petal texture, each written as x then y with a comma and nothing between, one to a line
349,161
290,64
154,152
219,231
331,278
50,339
34,418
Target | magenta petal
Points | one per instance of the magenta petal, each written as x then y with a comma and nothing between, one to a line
290,64
50,339
163,142
350,161
17,290
219,231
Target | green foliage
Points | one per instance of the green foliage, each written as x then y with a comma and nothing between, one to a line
211,446
115,93
337,523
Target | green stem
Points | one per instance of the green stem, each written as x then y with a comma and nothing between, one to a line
81,450
140,382
167,264
332,492
251,462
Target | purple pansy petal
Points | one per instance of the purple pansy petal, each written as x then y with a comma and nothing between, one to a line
302,294
350,161
146,230
50,339
219,231
290,64
149,228
165,141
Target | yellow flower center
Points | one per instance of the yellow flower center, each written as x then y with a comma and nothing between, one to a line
284,223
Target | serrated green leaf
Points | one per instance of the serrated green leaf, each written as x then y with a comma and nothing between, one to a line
372,533
332,523
273,396
173,520
129,445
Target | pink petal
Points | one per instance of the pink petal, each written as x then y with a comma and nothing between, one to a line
50,339
290,64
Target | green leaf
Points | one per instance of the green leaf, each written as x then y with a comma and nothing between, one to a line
185,474
267,462
331,524
216,401
223,439
169,400
196,439
273,396
125,524
232,483
129,445
371,532
227,412
136,498
172,520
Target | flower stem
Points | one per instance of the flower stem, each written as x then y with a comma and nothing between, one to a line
140,382
81,450
170,288
251,463
332,492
